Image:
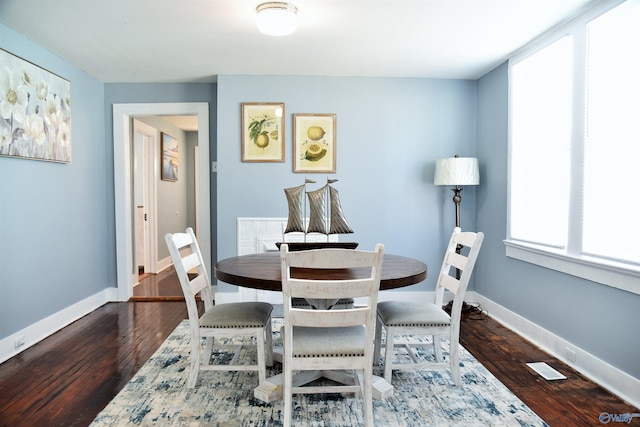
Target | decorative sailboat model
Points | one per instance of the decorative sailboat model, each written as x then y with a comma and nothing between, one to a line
325,216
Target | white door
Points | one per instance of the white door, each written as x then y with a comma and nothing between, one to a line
144,191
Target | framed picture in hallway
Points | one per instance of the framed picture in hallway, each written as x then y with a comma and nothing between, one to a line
263,132
169,170
35,111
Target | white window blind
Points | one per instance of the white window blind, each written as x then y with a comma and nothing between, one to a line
574,149
541,141
612,143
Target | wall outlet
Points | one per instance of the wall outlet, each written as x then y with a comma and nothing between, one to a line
19,341
570,354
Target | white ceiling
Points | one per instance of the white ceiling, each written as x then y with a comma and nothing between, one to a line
197,40
186,123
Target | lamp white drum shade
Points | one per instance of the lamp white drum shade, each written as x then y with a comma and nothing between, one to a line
457,171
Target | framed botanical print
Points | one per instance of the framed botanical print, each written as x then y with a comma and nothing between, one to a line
263,132
314,143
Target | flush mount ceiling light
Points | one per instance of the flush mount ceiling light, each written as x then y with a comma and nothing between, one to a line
276,18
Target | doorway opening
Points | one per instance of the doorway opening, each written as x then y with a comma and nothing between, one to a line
127,270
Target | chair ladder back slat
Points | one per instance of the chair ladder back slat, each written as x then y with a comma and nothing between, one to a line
466,238
449,282
198,284
300,288
330,259
329,318
456,260
191,261
180,240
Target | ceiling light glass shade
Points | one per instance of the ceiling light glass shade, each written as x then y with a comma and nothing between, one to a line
457,171
277,18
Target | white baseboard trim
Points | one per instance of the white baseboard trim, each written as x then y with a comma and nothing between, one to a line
611,378
40,330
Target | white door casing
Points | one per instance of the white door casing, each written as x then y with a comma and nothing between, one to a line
122,150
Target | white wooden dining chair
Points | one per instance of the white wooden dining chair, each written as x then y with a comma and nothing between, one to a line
327,340
423,318
251,320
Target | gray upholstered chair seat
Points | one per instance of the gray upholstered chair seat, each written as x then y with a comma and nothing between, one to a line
328,342
403,313
237,315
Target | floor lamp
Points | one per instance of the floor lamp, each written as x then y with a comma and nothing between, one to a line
457,171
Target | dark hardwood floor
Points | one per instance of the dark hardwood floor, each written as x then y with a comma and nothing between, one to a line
163,286
68,378
575,401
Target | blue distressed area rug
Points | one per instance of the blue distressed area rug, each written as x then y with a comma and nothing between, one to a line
157,396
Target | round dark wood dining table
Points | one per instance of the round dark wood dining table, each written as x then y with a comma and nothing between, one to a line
262,271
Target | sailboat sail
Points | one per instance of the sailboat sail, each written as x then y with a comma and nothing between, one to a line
295,198
317,211
339,224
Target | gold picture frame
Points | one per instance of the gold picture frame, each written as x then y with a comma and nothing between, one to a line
263,131
170,163
314,143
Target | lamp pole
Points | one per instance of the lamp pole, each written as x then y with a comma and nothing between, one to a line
457,198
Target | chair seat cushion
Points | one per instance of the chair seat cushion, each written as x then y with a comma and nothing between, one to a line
328,342
237,315
407,313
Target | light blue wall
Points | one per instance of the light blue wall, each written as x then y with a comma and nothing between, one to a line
53,216
389,134
597,318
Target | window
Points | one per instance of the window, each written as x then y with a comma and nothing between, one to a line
574,149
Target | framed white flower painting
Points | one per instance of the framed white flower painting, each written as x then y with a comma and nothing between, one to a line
35,111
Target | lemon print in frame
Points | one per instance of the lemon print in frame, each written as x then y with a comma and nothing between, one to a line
314,143
262,132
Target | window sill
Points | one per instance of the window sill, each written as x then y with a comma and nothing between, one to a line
616,275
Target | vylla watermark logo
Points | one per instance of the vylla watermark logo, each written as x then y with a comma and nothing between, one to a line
606,418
